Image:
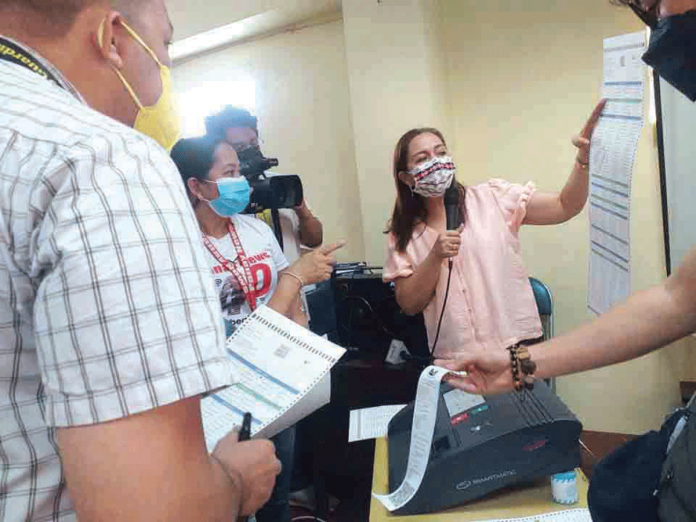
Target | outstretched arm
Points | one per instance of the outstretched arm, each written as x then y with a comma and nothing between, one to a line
648,321
550,209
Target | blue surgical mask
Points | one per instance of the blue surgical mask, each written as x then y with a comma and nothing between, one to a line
234,196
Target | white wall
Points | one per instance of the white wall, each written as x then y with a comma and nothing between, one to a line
678,116
211,14
302,103
396,83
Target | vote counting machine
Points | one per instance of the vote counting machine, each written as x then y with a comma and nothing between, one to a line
484,444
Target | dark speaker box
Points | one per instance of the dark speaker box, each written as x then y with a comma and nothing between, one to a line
368,317
321,304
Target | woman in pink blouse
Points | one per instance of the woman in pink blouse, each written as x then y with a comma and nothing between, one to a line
490,304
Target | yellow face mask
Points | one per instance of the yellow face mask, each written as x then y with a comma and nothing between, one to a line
160,121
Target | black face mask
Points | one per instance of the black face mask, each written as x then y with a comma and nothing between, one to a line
672,52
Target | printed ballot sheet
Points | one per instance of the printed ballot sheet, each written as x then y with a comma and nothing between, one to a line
612,155
371,423
281,375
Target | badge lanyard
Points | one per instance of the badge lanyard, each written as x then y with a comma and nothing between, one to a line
243,274
9,52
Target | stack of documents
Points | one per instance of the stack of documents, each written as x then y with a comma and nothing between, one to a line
281,373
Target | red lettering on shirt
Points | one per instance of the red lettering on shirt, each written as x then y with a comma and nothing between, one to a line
262,279
219,269
259,257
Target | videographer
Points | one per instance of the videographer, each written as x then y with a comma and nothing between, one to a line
299,226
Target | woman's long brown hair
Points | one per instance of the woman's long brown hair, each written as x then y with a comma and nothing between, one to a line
410,208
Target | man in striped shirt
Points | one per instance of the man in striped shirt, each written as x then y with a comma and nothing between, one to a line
110,329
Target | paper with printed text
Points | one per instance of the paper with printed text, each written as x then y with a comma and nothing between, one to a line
371,423
612,156
281,374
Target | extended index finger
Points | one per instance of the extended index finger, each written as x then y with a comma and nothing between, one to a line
593,119
330,249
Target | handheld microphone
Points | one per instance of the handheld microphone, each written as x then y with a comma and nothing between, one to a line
452,206
453,221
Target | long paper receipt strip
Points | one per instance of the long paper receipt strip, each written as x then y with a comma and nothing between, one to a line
424,416
281,375
571,515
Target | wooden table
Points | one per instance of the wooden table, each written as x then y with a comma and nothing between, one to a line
597,444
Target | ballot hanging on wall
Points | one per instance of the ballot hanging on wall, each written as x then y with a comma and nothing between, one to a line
612,156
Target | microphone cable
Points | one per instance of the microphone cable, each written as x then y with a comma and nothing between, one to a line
442,313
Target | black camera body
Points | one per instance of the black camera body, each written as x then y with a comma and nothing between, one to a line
268,192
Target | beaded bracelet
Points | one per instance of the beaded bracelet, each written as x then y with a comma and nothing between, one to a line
522,367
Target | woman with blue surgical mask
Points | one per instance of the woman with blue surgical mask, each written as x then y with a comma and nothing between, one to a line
247,264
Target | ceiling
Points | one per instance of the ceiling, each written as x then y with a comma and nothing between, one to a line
254,16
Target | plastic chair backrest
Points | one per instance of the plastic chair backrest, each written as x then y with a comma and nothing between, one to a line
542,295
544,302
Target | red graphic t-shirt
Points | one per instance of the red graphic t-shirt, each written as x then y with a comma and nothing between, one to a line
265,258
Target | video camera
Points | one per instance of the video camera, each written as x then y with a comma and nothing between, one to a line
269,192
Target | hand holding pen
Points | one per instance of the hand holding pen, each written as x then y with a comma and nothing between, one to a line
251,463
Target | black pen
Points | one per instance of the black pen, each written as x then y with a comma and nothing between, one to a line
245,432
